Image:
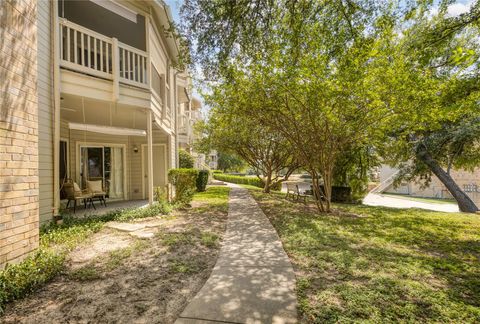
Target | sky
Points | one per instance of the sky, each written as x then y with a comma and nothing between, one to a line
175,8
457,8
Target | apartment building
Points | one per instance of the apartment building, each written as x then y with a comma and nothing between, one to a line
468,181
89,91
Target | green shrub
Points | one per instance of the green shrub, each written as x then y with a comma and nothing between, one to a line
21,279
217,171
160,195
339,194
202,180
185,182
239,179
158,208
185,160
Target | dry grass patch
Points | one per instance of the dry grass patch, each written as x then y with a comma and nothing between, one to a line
148,280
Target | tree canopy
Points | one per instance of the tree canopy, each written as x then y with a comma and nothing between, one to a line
331,77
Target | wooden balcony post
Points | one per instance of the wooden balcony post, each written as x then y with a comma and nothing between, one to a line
115,69
189,116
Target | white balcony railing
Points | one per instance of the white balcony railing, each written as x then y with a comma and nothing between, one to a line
89,52
183,121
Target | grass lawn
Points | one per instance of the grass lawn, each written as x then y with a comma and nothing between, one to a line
421,199
383,265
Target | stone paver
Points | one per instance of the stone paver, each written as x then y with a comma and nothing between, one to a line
373,199
126,227
253,280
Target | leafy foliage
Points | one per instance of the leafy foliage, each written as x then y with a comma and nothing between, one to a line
185,182
328,77
21,279
432,78
230,162
185,160
202,180
231,129
352,170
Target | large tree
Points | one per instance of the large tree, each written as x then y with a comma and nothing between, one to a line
337,75
432,78
230,162
230,128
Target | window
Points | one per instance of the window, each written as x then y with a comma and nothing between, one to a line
158,84
103,163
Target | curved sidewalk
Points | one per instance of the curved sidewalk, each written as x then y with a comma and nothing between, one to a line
374,199
253,280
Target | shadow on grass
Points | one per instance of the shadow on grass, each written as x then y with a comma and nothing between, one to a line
391,265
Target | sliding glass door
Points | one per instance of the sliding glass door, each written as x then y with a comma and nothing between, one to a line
103,163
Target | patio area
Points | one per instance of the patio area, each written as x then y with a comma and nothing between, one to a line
102,210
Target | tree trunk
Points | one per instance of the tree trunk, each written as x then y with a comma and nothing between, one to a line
465,204
268,181
327,188
316,191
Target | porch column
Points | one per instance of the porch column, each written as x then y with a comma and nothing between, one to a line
189,115
56,109
150,157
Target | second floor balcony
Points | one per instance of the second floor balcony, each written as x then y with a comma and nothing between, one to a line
86,51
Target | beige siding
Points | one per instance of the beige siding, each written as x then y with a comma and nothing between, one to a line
133,160
45,112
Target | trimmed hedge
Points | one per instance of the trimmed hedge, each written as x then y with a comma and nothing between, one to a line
185,182
202,180
239,179
339,194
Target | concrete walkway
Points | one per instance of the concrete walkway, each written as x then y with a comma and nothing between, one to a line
373,199
253,280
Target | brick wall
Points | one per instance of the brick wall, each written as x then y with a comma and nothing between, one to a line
18,130
462,178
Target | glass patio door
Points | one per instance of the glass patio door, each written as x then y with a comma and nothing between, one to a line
106,164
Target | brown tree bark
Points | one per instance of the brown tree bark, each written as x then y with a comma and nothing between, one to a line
465,204
268,180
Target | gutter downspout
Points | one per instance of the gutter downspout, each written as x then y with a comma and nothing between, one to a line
56,107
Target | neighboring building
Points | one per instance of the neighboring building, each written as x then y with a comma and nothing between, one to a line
189,114
468,181
213,160
88,92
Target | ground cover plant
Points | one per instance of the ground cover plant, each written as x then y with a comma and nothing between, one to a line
378,264
112,276
17,281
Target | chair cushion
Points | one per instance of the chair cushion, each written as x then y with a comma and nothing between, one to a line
95,186
76,187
